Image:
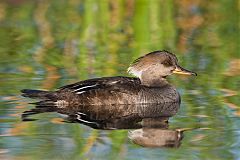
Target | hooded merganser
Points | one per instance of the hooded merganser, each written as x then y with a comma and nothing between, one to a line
150,86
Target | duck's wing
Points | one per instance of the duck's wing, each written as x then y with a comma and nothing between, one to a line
119,84
101,91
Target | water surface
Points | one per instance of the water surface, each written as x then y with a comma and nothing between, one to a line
48,44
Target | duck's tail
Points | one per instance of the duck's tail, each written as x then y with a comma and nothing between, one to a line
37,94
47,102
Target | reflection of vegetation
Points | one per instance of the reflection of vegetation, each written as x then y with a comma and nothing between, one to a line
42,41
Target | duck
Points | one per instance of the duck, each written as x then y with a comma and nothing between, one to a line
147,86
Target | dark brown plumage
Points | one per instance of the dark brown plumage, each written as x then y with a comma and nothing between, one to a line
150,86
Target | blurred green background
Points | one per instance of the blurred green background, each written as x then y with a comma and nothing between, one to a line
46,44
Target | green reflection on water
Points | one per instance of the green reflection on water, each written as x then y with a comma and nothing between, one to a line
46,44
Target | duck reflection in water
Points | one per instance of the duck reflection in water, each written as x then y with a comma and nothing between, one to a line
147,123
120,102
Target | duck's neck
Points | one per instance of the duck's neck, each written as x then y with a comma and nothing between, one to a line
153,80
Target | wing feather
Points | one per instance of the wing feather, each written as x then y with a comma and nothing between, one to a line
107,83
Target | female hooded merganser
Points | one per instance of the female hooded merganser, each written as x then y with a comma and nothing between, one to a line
151,85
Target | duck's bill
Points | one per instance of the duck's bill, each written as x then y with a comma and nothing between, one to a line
180,70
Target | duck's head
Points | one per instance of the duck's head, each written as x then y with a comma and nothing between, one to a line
157,65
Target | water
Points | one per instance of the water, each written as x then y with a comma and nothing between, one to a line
45,45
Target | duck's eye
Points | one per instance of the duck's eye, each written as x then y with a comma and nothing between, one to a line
167,63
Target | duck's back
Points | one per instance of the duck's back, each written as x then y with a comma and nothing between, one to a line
102,91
